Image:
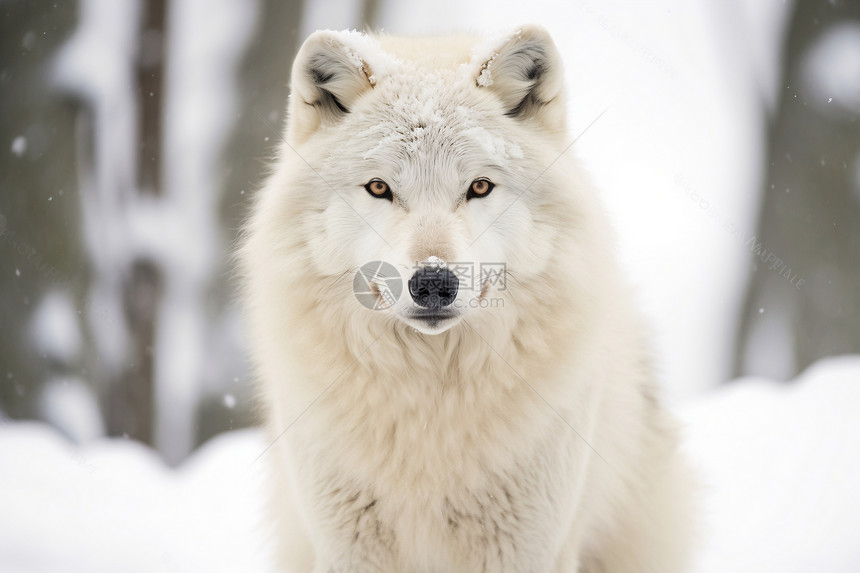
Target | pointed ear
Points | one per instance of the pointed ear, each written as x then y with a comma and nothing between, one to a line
525,72
328,76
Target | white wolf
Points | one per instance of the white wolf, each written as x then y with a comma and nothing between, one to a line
500,414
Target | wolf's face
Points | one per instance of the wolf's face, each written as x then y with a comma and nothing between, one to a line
420,178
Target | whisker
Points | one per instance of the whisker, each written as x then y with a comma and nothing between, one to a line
340,277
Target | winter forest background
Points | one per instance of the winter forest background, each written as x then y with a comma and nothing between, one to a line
134,133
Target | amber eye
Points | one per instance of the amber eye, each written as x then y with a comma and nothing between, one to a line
479,188
379,189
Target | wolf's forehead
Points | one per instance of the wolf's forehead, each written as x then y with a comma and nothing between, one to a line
432,125
414,123
420,154
431,113
433,99
423,141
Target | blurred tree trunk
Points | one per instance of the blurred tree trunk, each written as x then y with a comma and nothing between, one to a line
129,405
803,301
263,87
39,217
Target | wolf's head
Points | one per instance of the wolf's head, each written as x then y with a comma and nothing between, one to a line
421,186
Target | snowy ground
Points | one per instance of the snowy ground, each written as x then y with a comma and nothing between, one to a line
780,463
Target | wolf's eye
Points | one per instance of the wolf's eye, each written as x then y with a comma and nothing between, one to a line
479,188
380,189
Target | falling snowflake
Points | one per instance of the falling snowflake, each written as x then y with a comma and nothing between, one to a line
19,145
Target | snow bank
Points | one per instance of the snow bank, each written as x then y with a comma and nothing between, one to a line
114,506
780,463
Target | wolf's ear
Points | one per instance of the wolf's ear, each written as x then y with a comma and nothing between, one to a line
328,76
525,72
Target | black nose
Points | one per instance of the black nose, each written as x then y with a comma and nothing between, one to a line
433,287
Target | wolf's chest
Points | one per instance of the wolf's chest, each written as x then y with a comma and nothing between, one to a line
480,490
440,440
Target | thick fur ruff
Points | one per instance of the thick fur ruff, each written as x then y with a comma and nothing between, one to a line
523,436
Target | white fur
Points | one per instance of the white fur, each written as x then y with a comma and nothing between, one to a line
526,437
